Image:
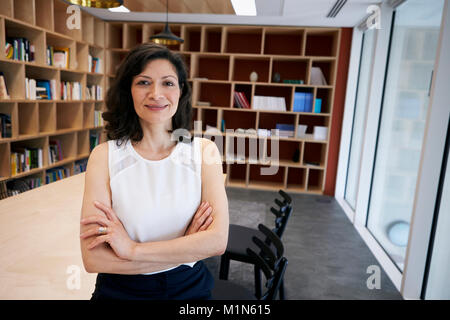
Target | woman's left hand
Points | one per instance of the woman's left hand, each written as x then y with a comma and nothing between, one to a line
111,232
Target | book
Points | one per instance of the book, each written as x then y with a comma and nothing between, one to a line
61,57
308,102
5,125
299,101
3,88
317,77
318,105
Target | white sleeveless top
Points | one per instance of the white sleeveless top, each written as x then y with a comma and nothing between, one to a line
155,199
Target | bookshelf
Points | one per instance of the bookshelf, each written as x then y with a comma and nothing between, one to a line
70,117
220,60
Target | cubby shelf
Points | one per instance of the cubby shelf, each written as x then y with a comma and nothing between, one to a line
35,122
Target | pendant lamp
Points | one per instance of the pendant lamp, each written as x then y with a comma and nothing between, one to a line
103,4
166,37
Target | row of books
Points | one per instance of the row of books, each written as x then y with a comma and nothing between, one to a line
71,90
5,126
4,94
80,166
19,49
94,92
95,64
303,102
94,140
58,56
98,120
25,159
40,89
269,103
56,174
240,100
54,151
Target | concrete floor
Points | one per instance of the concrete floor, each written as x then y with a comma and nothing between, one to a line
327,257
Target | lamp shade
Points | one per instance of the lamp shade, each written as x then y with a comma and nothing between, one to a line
166,37
102,4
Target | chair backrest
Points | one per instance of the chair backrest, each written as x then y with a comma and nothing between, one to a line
272,264
283,213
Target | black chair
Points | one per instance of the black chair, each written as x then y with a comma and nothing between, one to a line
240,238
273,264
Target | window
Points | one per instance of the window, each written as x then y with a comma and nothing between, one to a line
411,60
362,93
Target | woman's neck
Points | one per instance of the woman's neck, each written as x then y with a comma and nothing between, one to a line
156,138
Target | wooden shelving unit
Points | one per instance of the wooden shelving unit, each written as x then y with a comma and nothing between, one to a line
220,60
35,123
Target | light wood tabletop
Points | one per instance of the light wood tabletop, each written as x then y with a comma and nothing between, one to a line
40,256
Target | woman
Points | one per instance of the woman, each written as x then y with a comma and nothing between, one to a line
148,219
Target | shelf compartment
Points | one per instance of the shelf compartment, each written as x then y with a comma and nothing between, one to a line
218,94
265,176
5,170
28,119
68,145
290,69
296,179
58,41
47,117
114,35
243,67
238,119
35,36
321,43
212,67
192,38
208,117
24,10
187,61
99,32
15,81
275,91
7,8
10,109
326,95
284,41
314,154
83,143
246,89
114,60
288,152
328,69
87,27
44,14
313,120
133,35
61,18
315,180
237,175
69,115
243,40
88,114
213,39
39,143
269,120
97,52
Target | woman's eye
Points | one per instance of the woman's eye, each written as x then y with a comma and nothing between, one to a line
143,82
169,83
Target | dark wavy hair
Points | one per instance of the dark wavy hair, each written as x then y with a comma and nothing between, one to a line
122,121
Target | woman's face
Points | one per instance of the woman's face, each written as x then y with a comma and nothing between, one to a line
156,92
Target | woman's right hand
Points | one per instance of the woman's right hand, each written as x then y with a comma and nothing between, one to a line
202,219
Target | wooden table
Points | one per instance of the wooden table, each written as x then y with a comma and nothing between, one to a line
40,256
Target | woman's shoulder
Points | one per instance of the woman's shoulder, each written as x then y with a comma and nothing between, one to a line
99,152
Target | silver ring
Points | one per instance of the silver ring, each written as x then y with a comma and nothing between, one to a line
101,230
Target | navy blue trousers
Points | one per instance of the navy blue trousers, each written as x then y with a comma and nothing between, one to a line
181,283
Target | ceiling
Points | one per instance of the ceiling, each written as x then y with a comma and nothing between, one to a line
269,12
